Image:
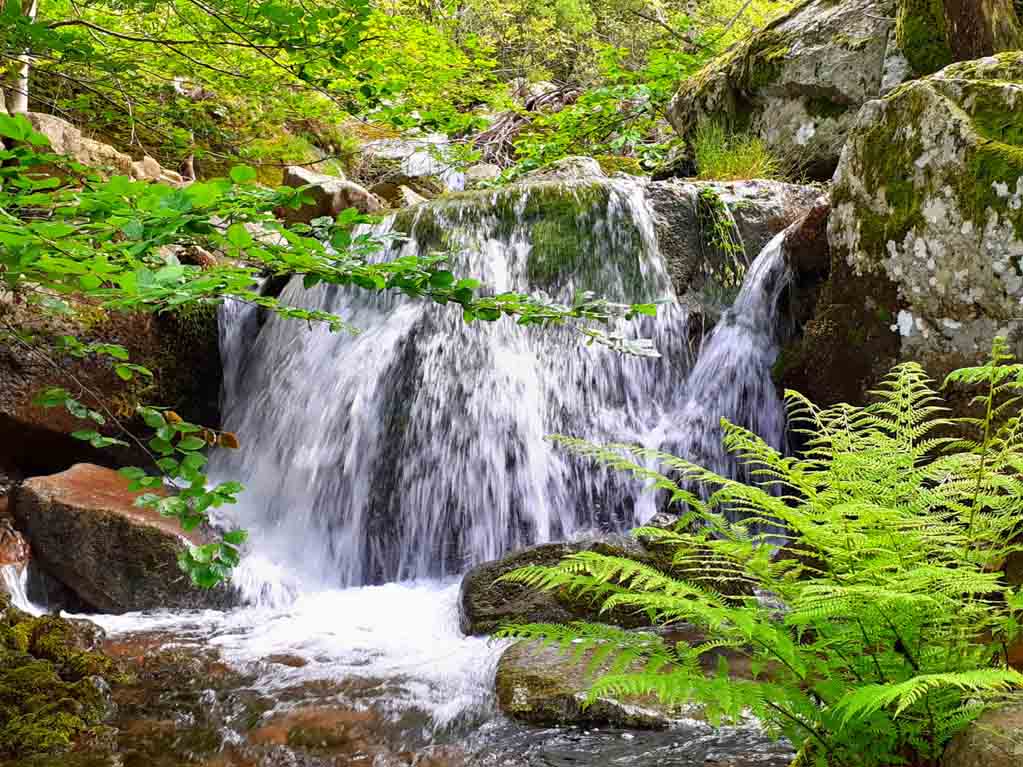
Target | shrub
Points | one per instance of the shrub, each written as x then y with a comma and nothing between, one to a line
724,156
882,626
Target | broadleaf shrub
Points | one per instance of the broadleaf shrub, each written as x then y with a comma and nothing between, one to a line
878,621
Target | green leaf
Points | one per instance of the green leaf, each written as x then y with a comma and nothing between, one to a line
243,174
442,279
239,236
191,443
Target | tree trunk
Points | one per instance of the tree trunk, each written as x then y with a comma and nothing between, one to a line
17,101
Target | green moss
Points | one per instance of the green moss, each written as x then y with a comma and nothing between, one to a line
616,164
48,692
922,33
825,108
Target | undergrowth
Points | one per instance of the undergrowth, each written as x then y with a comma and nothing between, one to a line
878,622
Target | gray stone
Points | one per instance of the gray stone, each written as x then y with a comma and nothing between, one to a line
688,239
993,740
573,168
546,685
482,172
330,195
799,82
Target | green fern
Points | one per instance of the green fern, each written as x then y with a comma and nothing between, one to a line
888,633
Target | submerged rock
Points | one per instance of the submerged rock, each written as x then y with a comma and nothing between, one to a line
928,207
799,82
993,740
542,684
330,194
86,532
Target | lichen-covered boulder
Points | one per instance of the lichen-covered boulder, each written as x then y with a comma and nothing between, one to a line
799,82
927,214
544,684
330,195
993,740
86,532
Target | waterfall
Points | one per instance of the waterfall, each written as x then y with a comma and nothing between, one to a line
733,376
416,447
14,580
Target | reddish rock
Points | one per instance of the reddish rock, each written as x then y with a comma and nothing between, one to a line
87,533
14,549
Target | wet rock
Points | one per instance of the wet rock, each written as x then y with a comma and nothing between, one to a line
330,194
928,213
14,549
799,82
486,603
541,684
705,228
993,740
52,685
85,531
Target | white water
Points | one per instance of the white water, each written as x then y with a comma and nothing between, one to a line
416,449
15,582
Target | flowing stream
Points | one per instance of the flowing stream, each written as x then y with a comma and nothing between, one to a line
380,466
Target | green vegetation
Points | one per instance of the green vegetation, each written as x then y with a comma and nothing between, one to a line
724,156
883,624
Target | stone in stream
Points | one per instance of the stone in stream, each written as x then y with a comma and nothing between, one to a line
993,740
799,82
86,532
544,684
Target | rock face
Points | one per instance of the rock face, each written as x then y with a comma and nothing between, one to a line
703,226
181,349
85,531
800,81
65,138
928,209
331,195
544,685
994,740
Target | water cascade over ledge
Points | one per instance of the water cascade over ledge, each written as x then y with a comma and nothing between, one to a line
381,466
416,448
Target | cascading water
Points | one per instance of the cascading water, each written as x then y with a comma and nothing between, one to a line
14,580
416,448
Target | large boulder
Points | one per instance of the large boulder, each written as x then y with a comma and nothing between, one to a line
705,227
799,82
547,685
926,231
330,195
86,532
993,740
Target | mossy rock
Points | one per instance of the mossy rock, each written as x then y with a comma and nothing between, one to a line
544,684
928,211
53,685
799,82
